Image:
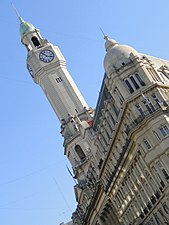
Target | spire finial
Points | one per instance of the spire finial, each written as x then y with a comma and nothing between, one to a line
16,11
105,36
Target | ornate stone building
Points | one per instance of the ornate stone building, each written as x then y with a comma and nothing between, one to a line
119,152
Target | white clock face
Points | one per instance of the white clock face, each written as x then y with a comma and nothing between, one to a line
30,70
46,56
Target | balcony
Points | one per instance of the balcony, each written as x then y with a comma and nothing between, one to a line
143,115
153,109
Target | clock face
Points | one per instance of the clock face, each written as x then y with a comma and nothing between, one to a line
30,70
46,56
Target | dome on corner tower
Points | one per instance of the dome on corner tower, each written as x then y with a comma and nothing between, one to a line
117,55
25,27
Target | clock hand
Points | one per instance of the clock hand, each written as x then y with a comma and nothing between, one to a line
44,54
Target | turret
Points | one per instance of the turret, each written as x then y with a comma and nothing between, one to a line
30,36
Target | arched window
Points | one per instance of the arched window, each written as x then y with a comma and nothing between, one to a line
35,41
80,152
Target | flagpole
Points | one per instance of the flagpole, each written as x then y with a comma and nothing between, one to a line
71,174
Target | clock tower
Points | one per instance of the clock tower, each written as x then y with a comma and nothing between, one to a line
47,67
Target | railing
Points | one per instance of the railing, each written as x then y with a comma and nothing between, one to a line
143,115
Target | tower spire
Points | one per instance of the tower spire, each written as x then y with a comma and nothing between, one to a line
25,27
16,11
105,36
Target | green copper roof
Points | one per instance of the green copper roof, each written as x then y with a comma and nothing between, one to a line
25,27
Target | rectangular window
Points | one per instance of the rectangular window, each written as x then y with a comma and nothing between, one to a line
164,130
129,86
156,135
140,110
156,100
59,79
157,219
149,106
134,82
115,110
151,222
147,144
165,173
163,170
165,207
116,91
139,79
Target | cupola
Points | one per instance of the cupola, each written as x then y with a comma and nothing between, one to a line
25,27
117,55
30,36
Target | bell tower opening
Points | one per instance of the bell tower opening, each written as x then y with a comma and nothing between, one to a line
35,41
80,152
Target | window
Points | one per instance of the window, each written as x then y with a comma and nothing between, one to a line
156,135
59,79
140,110
35,41
156,100
139,79
134,82
164,130
119,93
80,152
163,170
165,173
165,207
151,222
131,90
157,219
115,110
147,144
148,105
162,183
151,106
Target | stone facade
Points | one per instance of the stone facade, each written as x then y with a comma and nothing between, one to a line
120,151
131,127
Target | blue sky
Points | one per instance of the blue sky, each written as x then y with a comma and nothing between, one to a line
35,187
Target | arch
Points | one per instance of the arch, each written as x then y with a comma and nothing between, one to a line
80,152
35,41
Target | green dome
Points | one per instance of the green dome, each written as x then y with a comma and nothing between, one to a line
25,27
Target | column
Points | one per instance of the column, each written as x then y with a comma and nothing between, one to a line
148,189
141,199
144,192
135,201
153,186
